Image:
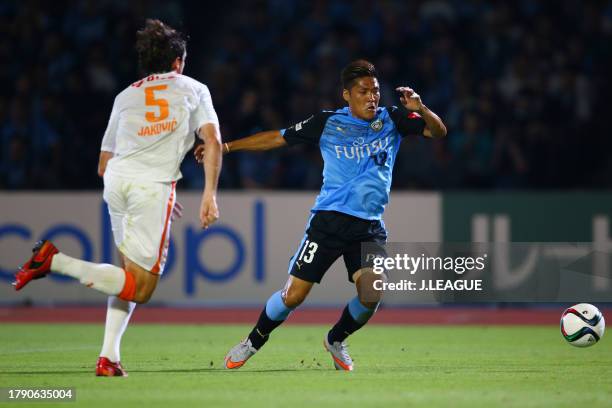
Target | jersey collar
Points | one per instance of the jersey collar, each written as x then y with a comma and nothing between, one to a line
347,110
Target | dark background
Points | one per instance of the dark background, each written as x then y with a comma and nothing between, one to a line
523,86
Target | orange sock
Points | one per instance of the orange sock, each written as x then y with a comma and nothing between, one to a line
129,287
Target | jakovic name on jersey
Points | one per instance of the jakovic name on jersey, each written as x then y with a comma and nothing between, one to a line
159,128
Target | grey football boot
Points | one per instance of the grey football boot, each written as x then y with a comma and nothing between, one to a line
239,354
339,352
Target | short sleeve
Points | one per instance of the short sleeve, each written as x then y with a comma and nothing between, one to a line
307,131
407,123
205,111
110,135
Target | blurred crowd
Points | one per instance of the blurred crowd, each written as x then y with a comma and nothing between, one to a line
523,86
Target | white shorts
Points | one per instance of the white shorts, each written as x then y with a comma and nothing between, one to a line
140,213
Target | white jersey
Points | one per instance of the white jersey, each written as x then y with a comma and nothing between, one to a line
152,125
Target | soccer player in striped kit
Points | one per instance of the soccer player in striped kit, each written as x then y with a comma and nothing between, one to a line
150,130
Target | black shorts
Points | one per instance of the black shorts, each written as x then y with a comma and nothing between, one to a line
329,235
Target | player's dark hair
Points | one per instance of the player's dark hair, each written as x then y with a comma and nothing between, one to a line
158,46
355,70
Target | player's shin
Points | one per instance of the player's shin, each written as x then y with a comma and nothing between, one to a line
354,316
273,315
117,317
105,278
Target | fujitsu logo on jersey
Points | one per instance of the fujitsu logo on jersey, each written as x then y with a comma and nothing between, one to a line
361,150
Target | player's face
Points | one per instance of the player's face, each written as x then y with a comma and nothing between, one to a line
363,97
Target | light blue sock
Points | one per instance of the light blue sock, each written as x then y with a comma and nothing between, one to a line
276,308
359,312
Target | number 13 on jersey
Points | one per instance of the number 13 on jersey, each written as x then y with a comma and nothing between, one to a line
308,251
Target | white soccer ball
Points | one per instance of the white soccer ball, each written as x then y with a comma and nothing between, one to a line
582,325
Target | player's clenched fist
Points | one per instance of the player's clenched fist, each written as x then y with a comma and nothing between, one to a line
200,150
410,99
209,212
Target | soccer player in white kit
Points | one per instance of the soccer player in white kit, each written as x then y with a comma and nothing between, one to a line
150,130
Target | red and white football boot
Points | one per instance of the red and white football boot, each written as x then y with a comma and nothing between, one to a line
38,266
106,368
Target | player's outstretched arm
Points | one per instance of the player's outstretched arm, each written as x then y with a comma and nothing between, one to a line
267,140
209,212
412,101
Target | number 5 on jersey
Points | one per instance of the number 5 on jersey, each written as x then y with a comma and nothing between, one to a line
150,100
308,251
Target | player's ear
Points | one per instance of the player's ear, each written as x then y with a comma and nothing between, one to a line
176,65
346,95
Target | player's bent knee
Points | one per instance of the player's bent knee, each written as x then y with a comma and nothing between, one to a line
142,296
295,291
294,298
370,299
144,291
143,281
294,295
368,295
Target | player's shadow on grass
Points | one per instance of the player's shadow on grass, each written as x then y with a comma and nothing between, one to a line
224,370
170,370
88,371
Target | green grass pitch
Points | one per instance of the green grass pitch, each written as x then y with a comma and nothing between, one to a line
410,366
